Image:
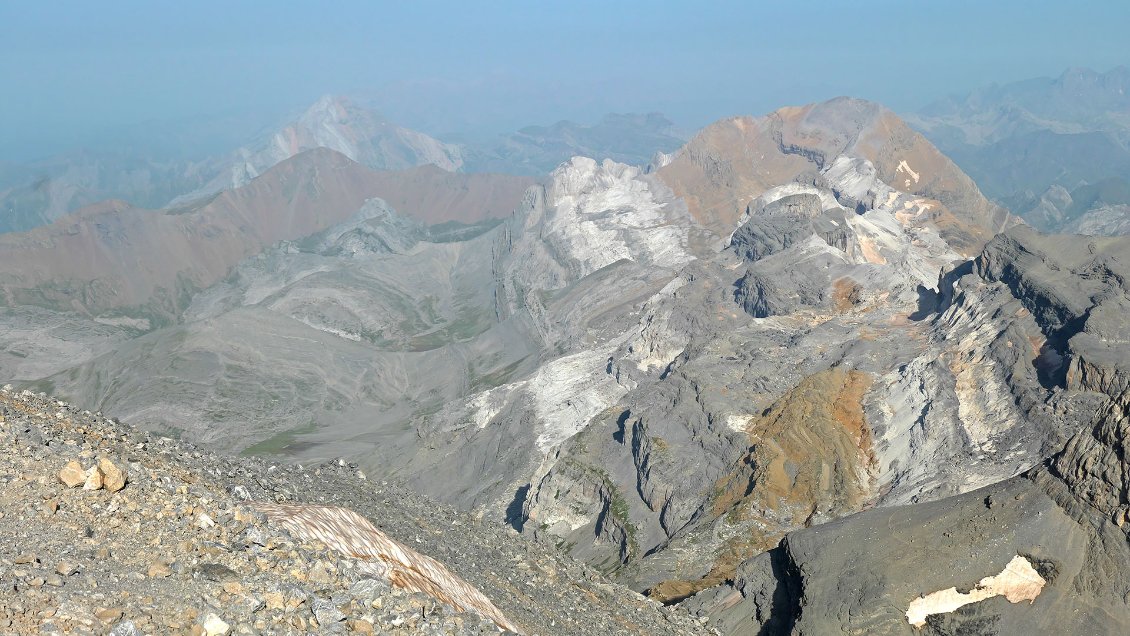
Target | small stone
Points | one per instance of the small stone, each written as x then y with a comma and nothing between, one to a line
215,572
233,587
295,598
66,568
159,570
126,628
25,559
274,600
114,478
360,626
93,479
107,614
367,589
215,626
54,580
72,474
326,612
319,574
51,506
204,521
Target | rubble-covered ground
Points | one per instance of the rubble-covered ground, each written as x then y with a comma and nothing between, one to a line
158,537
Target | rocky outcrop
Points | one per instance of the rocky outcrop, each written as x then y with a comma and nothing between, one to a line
1094,463
777,225
380,556
1077,290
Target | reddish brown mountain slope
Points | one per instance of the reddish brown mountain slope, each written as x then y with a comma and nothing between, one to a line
114,257
735,160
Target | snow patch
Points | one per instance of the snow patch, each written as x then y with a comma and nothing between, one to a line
905,167
739,421
1019,581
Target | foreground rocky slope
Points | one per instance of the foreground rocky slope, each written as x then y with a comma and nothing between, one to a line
112,530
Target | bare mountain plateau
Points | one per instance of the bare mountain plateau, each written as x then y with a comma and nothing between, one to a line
798,376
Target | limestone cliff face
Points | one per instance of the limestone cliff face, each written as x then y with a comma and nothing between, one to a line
807,286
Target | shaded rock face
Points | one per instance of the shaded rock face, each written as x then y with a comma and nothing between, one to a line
791,219
1077,291
1094,463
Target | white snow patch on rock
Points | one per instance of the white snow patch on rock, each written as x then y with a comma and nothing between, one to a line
1019,581
905,167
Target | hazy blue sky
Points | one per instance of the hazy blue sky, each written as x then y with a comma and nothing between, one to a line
76,73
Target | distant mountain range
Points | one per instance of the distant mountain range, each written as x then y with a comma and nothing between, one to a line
1029,144
1054,151
537,150
42,192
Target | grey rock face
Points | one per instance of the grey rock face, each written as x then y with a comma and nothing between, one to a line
791,219
1068,517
